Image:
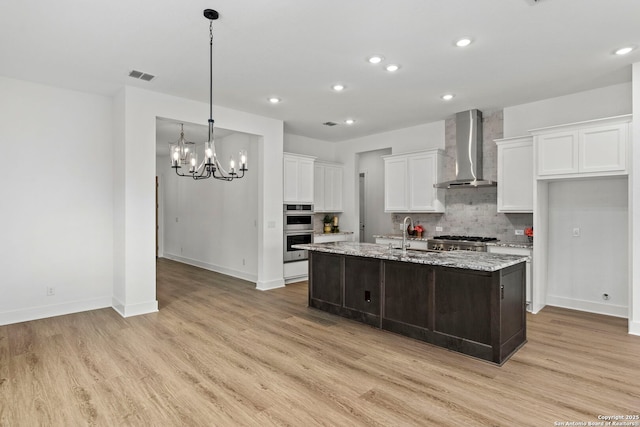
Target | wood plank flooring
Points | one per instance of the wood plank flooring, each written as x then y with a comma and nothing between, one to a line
220,353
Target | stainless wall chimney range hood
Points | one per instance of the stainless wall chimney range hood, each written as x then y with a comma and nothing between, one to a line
468,152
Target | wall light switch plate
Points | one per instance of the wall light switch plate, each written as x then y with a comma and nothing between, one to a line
576,232
438,228
519,232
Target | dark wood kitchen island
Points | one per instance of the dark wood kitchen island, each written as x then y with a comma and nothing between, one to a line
469,302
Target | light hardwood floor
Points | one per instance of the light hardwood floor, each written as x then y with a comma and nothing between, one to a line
221,353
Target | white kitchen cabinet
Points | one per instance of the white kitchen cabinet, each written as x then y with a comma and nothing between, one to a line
409,180
515,174
298,178
509,250
327,194
332,237
395,184
295,271
585,149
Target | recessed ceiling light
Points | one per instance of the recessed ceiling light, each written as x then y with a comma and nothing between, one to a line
392,67
349,121
338,87
375,59
274,100
463,42
447,96
624,50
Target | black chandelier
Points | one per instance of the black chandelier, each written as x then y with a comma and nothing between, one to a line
185,153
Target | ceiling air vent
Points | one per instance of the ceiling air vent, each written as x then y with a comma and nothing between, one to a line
142,76
329,123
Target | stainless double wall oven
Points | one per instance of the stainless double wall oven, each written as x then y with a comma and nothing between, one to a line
298,229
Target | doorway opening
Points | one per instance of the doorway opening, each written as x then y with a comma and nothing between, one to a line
373,219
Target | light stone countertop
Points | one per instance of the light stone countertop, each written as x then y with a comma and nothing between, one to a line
511,244
319,233
481,261
399,237
496,243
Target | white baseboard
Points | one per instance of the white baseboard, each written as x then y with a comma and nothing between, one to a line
270,284
129,310
634,328
589,306
42,312
296,279
212,267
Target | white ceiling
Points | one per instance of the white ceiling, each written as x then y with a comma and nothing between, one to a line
523,51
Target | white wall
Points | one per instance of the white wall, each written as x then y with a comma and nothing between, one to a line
57,201
322,150
588,105
598,103
213,224
376,221
136,257
416,138
582,269
634,192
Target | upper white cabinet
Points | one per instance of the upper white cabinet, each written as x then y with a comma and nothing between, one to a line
298,178
327,187
515,174
409,180
585,149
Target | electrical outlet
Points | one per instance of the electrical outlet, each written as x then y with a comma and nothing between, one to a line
576,232
438,228
242,261
519,232
51,291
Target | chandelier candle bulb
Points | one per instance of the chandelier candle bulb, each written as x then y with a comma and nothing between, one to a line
232,165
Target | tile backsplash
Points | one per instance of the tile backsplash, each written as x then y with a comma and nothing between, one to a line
472,211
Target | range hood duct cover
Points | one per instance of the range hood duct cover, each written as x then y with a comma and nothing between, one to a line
468,152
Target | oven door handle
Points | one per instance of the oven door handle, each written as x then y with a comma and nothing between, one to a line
294,232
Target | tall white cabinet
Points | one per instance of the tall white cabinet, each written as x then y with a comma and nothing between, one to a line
409,180
515,174
328,179
298,178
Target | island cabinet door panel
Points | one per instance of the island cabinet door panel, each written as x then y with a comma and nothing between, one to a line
512,301
464,303
362,284
325,278
407,294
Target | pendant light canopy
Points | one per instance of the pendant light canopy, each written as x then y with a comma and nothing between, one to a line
184,153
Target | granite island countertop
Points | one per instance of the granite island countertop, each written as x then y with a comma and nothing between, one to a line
481,261
501,243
